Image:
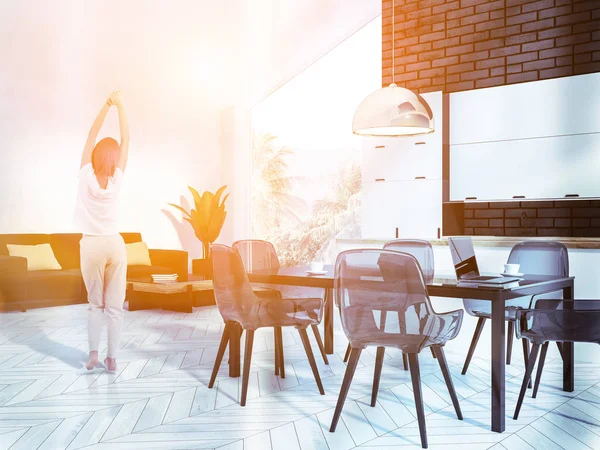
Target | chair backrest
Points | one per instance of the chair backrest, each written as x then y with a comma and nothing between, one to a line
382,299
421,250
560,320
233,292
541,258
257,254
535,258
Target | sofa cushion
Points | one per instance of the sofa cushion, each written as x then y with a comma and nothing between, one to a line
144,272
66,249
46,284
39,257
21,239
138,254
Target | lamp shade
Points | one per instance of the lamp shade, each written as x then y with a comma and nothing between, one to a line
393,111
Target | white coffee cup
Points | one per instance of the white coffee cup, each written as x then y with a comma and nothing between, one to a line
316,266
511,268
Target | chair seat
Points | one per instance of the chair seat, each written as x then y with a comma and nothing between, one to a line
409,336
509,312
281,312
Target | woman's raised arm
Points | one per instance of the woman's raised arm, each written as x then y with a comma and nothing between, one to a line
90,143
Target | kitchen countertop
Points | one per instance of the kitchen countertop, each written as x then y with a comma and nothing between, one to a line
495,241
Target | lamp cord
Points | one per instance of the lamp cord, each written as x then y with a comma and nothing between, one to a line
393,38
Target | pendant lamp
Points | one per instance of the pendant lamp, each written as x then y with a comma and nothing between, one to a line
393,111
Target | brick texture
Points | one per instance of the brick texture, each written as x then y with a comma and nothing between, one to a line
556,218
482,43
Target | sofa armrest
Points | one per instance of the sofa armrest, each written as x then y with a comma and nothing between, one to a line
173,259
13,282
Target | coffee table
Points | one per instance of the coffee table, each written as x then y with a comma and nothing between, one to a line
179,296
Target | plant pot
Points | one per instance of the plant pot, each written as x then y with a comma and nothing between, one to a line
202,267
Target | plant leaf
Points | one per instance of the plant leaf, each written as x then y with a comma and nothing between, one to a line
180,208
224,198
205,209
217,197
216,224
196,195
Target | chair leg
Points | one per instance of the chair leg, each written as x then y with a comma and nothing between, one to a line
509,341
441,357
377,375
347,354
415,375
405,361
279,332
540,368
317,334
433,353
478,329
220,353
526,356
350,369
276,341
526,378
311,358
247,360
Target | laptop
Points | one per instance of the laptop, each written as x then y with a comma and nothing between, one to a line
465,263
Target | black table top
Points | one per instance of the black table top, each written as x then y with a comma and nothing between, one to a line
441,287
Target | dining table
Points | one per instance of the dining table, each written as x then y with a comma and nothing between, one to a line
445,286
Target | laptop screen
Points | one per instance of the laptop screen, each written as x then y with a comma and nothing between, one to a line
463,257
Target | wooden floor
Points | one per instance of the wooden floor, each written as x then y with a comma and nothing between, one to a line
159,398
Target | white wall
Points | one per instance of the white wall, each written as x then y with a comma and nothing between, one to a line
174,62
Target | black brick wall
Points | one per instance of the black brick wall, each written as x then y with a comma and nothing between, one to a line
557,218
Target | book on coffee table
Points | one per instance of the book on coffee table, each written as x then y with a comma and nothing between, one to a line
164,278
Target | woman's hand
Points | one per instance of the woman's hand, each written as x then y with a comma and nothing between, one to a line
114,99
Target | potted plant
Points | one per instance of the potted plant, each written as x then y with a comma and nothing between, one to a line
207,220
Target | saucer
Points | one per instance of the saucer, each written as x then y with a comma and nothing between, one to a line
316,272
518,274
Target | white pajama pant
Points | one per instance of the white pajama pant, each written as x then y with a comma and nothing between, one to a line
104,270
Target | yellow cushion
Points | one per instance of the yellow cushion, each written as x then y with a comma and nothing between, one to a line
39,257
138,254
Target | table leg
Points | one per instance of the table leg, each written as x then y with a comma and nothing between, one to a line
568,349
498,366
329,321
234,350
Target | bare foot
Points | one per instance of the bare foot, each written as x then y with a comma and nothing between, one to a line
111,364
92,360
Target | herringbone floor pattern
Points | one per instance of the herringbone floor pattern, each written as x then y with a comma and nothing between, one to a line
159,398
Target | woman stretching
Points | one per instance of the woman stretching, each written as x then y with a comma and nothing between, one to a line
103,254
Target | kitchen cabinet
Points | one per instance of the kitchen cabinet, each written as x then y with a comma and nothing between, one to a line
412,206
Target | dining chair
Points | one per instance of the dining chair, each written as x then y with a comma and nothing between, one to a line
261,255
423,252
371,282
239,306
554,320
534,258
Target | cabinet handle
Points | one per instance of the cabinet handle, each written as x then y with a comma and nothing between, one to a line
518,196
572,195
379,179
470,198
380,146
420,178
420,143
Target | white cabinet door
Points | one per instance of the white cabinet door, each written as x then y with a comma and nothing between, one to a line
396,159
556,107
413,206
536,168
